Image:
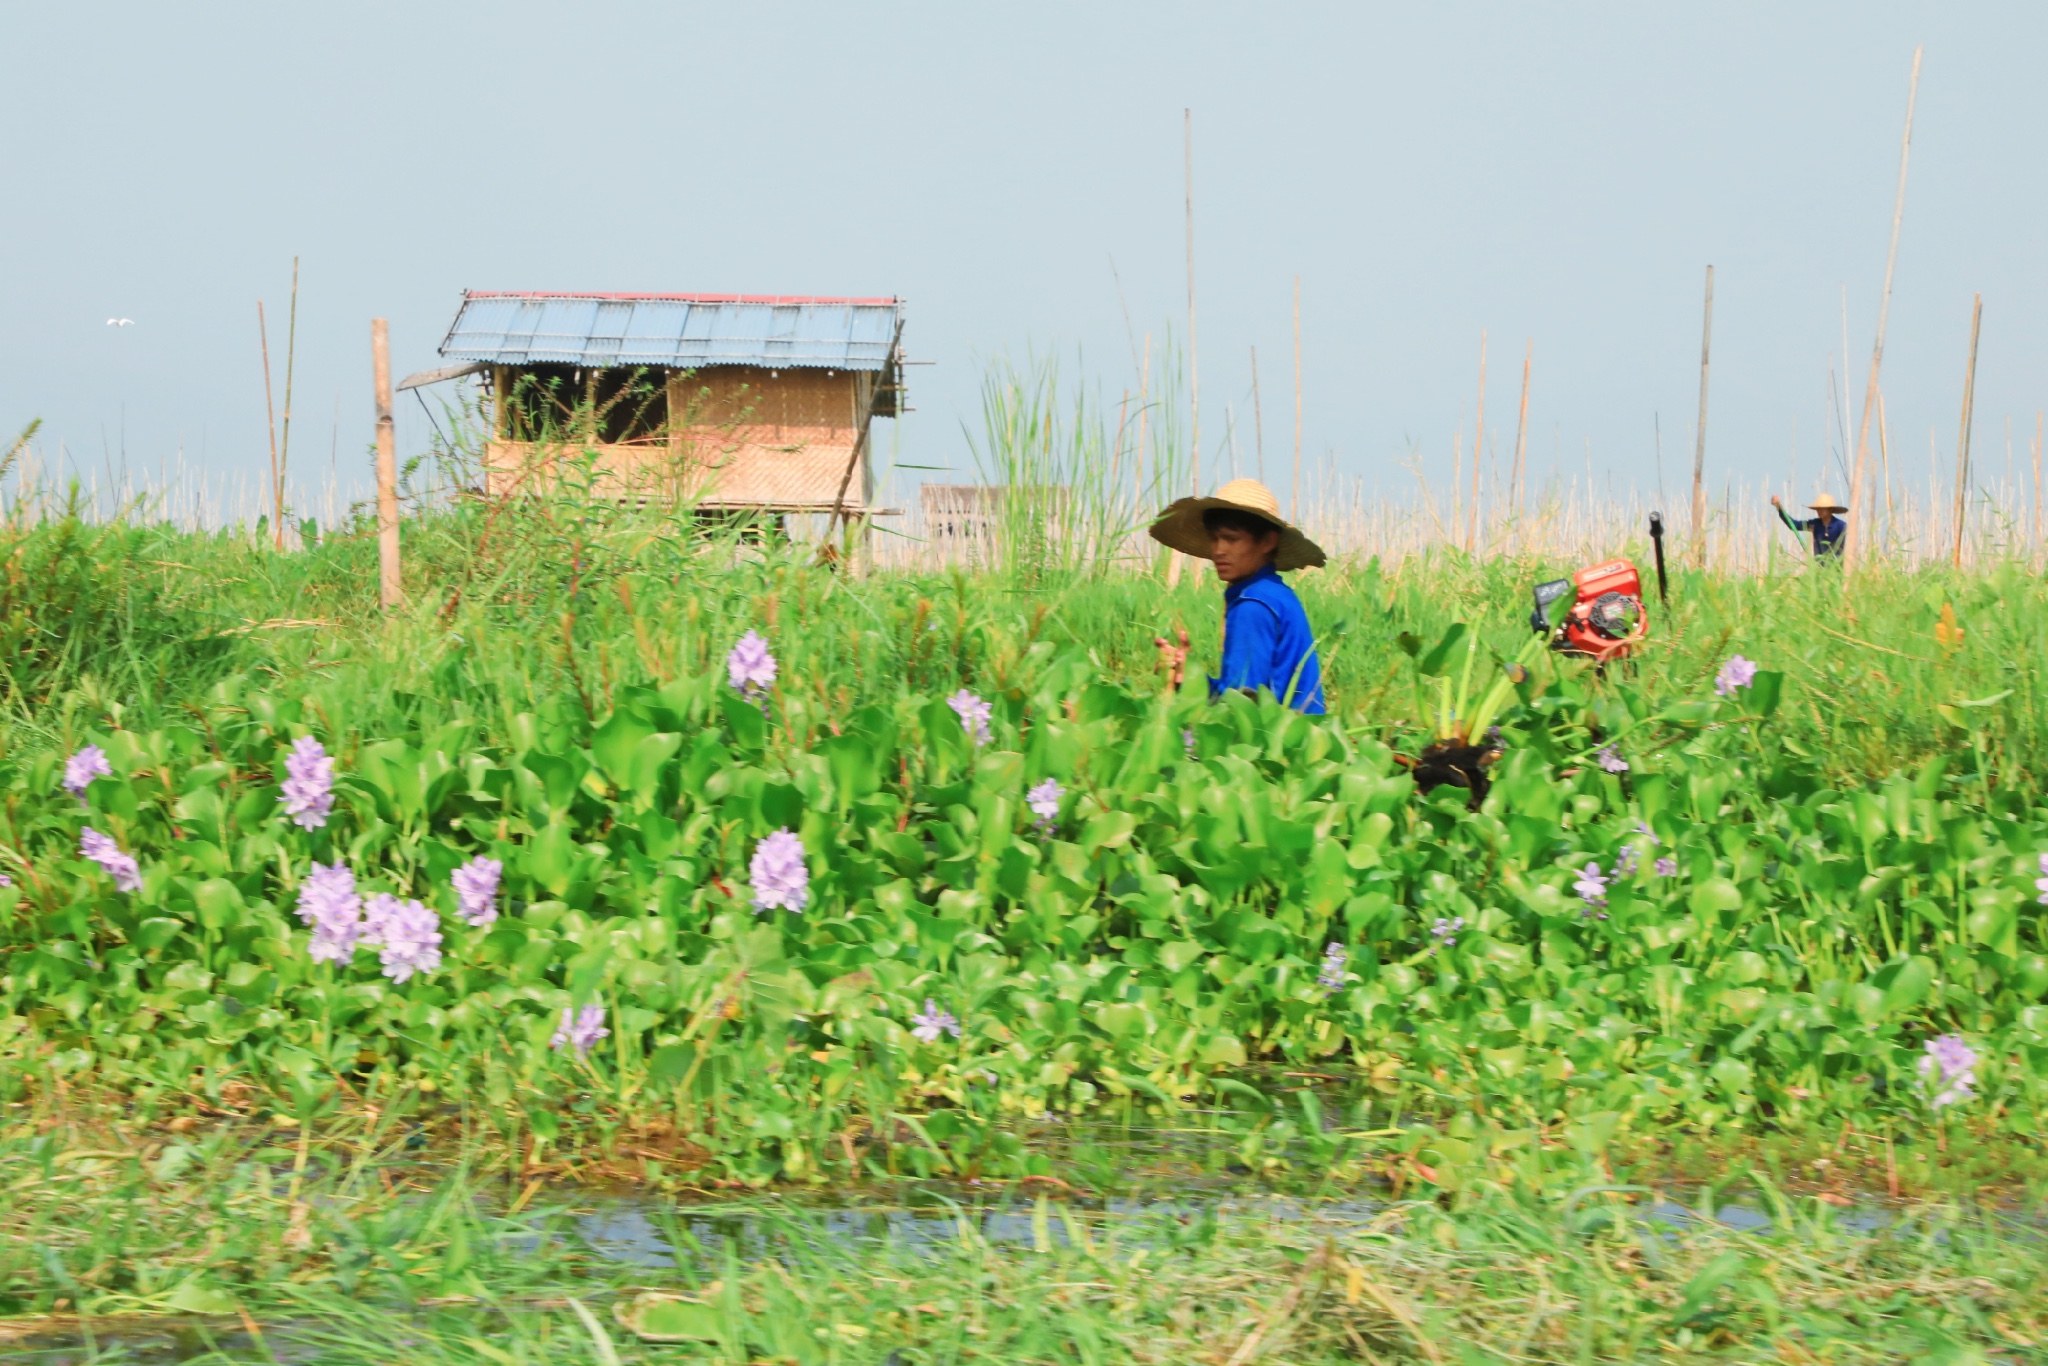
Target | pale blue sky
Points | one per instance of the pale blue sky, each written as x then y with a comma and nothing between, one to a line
1555,172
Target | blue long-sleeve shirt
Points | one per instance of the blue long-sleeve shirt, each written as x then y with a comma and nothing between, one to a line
1827,531
1266,637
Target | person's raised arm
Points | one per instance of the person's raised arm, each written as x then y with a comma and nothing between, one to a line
1786,517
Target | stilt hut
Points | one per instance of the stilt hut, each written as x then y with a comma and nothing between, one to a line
740,403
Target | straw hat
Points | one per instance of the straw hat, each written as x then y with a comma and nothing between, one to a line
1180,526
1827,502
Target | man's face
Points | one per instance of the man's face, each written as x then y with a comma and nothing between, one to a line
1240,554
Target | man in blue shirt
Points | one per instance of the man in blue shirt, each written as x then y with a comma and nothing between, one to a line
1826,524
1267,642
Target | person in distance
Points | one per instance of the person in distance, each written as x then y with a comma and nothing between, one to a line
1267,641
1826,524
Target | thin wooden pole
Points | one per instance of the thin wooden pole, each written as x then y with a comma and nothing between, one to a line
1144,411
1478,447
269,408
1258,418
1194,355
284,444
1884,455
2037,481
1963,437
1521,440
1295,515
1884,308
389,588
1699,450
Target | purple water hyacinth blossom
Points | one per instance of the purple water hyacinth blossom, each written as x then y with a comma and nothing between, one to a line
781,879
1736,673
934,1022
101,849
1445,932
1949,1070
973,713
308,794
750,666
1331,978
1592,888
81,768
1044,801
1642,828
1666,867
1611,761
6,881
1628,861
329,903
580,1029
1187,740
406,934
476,890
2041,883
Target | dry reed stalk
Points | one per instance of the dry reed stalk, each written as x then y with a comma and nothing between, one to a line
1850,556
1478,446
1884,456
1963,437
284,444
1295,491
1522,443
1699,449
390,588
269,409
2037,481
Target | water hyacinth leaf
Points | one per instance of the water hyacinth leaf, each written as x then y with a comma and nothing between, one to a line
1993,921
1764,692
1440,654
613,744
219,902
670,1063
747,722
1713,895
854,762
668,1318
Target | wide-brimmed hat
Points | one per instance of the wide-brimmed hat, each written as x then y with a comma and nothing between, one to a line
1180,526
1827,502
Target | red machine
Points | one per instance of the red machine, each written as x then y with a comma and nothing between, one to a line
1597,613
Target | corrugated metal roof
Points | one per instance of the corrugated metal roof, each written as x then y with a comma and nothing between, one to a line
674,331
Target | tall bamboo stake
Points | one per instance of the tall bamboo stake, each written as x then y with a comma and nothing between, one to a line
1699,450
1194,355
1295,514
1478,446
269,408
1521,439
389,586
1884,455
1963,437
284,444
1884,308
1258,419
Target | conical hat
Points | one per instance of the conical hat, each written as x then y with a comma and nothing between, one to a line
1827,502
1180,526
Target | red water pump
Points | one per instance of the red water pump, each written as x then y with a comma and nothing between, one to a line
1598,613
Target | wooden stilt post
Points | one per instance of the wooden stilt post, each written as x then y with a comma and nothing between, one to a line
390,590
1699,449
1963,438
1851,552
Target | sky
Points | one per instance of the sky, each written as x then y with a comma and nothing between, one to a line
1556,177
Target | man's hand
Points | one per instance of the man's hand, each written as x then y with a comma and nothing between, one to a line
1174,657
1777,502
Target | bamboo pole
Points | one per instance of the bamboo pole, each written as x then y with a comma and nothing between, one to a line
1258,418
1699,450
269,408
1963,437
284,444
1478,446
389,588
1521,441
1884,456
1884,308
1295,515
1194,355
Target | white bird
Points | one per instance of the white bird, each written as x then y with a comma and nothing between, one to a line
120,322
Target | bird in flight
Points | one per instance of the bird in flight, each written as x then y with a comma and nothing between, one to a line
120,322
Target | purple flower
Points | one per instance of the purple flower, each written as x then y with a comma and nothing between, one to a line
1592,887
974,714
1643,829
1331,978
781,880
934,1022
406,934
1627,861
1666,867
1610,761
101,849
1187,740
1044,801
1445,932
2041,883
6,881
1736,673
581,1029
1949,1070
328,902
81,768
309,784
750,667
476,890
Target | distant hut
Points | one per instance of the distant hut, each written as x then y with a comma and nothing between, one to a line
741,403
